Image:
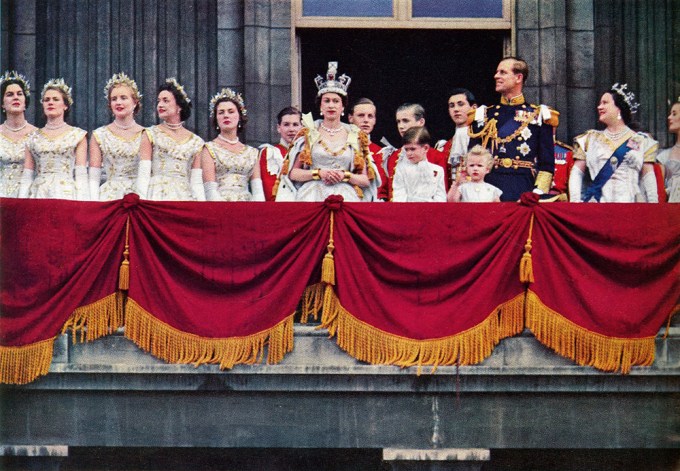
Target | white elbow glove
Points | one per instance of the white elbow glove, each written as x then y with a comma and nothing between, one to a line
211,193
649,187
143,178
257,190
196,181
82,185
25,182
95,176
575,185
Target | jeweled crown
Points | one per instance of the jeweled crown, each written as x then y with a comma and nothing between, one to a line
628,97
14,75
231,95
175,84
121,79
58,83
331,84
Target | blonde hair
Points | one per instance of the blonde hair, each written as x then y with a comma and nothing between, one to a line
479,151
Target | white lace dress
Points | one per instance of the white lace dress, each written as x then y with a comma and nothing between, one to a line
171,166
335,159
120,161
12,155
55,159
233,171
672,178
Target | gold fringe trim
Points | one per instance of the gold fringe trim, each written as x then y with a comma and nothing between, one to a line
526,268
174,346
312,302
98,319
585,347
21,365
372,345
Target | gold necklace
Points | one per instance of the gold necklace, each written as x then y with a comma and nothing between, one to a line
332,153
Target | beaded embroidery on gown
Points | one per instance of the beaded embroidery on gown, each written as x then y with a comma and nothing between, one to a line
171,166
317,190
233,171
55,159
120,161
12,156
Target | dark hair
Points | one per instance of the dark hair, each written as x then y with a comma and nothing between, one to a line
342,97
361,101
416,108
242,119
64,97
464,91
184,105
519,67
9,82
621,104
286,111
416,135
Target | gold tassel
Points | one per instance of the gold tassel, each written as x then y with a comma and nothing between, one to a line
585,347
526,268
312,302
124,271
175,346
21,365
328,264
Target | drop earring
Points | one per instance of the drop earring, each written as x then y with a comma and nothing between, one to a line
619,117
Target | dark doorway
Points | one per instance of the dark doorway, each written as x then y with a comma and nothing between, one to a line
392,67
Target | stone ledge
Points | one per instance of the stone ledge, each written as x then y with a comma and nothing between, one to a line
436,454
34,450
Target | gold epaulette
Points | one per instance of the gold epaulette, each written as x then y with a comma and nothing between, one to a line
471,116
554,120
566,146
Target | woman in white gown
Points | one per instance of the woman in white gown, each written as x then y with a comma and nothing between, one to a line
231,169
617,164
170,157
57,151
15,91
116,146
331,157
670,158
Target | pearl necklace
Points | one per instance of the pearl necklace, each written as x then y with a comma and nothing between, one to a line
174,126
674,145
615,136
228,141
120,126
15,129
330,131
53,127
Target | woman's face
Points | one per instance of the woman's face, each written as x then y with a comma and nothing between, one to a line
14,100
607,111
167,106
227,116
122,102
674,119
331,106
53,104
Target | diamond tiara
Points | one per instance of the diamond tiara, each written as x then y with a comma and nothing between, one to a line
331,84
231,95
628,97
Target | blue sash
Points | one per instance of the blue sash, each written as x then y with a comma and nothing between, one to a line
605,173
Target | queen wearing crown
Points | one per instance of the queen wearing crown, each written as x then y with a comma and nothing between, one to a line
615,165
116,146
56,152
170,156
330,157
231,169
16,92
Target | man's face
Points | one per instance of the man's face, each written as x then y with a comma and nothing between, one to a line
289,127
458,109
406,120
506,79
363,117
